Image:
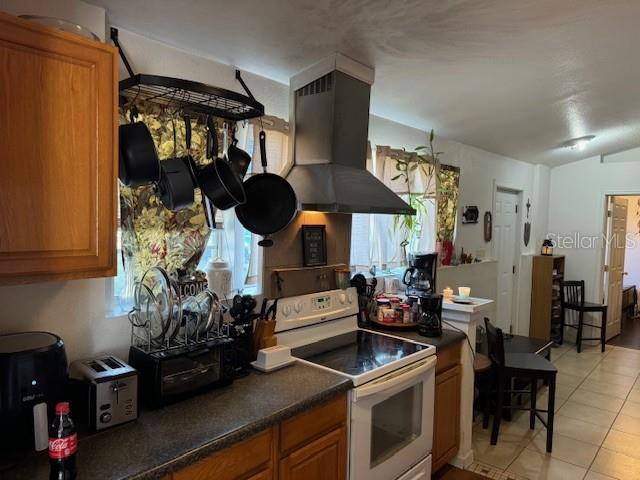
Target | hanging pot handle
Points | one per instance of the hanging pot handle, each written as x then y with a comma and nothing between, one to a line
263,150
187,132
212,138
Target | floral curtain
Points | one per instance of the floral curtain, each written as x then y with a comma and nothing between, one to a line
448,192
152,235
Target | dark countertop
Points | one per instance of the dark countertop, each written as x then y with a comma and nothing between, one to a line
448,338
164,440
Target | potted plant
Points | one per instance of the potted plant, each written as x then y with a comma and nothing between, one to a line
427,162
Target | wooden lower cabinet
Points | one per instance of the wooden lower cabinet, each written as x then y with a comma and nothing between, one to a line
322,459
446,422
309,446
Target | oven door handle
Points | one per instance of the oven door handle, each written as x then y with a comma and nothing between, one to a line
392,381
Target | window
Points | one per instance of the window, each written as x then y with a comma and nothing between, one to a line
229,241
385,240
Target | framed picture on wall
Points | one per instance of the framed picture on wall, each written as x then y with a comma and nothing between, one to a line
314,245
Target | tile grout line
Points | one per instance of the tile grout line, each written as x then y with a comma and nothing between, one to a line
575,388
612,423
525,446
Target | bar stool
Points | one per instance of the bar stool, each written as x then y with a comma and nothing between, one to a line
520,365
572,299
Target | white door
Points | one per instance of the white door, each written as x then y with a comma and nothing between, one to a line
615,263
505,237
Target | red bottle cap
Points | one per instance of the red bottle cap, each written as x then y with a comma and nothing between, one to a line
62,408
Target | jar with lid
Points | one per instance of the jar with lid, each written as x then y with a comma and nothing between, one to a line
406,313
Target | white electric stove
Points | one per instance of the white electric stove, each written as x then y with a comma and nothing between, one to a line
391,425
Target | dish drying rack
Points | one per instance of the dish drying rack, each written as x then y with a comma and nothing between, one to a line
162,320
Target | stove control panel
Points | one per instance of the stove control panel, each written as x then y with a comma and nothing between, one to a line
321,303
310,309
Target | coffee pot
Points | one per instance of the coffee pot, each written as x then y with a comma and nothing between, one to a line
420,277
430,322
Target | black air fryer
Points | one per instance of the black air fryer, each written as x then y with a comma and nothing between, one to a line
33,377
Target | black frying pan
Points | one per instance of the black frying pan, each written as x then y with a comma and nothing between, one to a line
271,202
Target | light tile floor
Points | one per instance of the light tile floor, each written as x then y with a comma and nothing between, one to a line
597,423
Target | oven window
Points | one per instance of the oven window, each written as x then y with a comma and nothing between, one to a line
395,423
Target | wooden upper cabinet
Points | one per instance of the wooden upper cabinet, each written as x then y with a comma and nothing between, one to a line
58,163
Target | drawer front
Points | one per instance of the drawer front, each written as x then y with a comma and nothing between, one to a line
302,428
239,461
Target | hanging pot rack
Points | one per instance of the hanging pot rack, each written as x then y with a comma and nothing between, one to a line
185,95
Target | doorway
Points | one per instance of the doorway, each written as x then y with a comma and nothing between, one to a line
622,270
506,234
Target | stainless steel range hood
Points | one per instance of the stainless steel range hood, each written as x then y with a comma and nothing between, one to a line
330,120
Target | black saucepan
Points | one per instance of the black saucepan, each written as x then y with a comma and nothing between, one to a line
271,202
218,180
139,162
175,187
238,158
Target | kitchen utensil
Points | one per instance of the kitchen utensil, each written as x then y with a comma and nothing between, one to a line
342,277
271,202
218,180
420,277
238,158
105,392
175,187
138,159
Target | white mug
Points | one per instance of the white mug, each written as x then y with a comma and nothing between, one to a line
464,292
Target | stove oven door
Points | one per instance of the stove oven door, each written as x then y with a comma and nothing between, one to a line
392,422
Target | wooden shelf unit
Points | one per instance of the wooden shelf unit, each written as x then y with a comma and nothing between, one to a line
547,273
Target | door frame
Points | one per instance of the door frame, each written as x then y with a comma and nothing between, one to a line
604,207
515,305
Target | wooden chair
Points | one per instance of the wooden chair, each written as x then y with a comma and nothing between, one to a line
572,299
520,365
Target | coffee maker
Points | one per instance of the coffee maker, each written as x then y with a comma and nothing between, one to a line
420,277
430,322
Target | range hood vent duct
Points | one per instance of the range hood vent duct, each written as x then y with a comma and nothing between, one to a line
330,124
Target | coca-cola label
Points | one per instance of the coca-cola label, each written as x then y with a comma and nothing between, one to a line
60,448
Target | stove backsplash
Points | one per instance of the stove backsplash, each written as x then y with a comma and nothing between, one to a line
283,272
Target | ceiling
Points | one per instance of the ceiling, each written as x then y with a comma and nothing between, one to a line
515,77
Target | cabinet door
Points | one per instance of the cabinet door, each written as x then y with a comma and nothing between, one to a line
322,459
58,131
446,427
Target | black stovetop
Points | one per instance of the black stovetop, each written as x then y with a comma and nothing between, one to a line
356,352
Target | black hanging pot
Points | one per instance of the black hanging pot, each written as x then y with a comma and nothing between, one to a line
218,180
238,158
175,187
271,202
138,163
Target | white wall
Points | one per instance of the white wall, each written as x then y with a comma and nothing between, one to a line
577,205
480,173
89,16
76,309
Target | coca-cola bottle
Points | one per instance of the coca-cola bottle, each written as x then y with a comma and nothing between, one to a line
63,444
